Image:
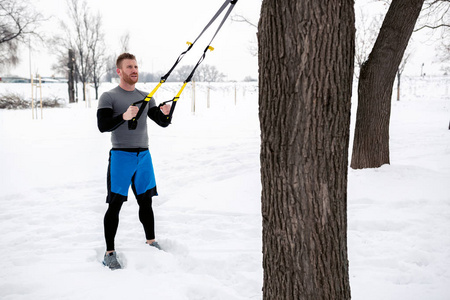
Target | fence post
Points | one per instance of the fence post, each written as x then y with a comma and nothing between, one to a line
32,98
89,95
40,91
193,98
208,98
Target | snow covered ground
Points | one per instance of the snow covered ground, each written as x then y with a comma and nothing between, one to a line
52,202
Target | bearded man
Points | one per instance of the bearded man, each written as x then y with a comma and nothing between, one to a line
130,162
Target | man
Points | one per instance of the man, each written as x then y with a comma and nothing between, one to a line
129,161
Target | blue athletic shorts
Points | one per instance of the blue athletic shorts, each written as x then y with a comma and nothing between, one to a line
130,168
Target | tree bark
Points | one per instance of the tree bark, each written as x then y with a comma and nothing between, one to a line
306,52
376,81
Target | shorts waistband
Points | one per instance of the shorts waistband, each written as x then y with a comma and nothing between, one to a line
134,150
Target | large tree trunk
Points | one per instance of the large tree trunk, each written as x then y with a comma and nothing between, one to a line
306,51
376,80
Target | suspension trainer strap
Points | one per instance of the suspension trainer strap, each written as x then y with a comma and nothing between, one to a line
132,124
189,78
190,45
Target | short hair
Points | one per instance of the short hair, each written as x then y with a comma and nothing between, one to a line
122,57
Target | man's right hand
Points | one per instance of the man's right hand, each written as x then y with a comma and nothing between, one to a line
130,113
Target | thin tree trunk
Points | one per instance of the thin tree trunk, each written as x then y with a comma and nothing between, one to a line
71,88
306,51
376,81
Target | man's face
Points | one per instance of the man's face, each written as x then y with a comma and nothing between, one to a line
128,71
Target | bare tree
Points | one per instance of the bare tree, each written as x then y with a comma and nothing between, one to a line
444,50
208,73
435,14
125,42
253,48
71,76
111,68
65,64
400,70
367,29
83,34
79,15
204,73
18,23
435,17
150,77
376,80
97,48
306,57
111,59
180,74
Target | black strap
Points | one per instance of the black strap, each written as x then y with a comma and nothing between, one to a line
132,124
221,9
189,78
164,78
213,19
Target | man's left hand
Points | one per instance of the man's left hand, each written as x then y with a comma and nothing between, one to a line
166,108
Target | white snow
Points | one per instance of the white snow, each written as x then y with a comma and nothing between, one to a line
53,185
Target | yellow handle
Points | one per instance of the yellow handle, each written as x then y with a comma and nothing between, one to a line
149,96
210,48
179,92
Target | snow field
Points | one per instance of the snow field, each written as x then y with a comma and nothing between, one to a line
53,188
398,215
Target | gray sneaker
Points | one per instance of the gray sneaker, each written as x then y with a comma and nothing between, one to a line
110,260
156,245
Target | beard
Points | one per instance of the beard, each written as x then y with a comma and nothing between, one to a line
130,80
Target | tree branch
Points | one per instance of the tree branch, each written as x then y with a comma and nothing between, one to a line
432,27
240,18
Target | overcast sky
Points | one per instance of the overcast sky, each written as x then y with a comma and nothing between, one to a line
159,31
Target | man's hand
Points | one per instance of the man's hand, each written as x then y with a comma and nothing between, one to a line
166,108
130,113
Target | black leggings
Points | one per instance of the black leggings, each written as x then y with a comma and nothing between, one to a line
111,220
